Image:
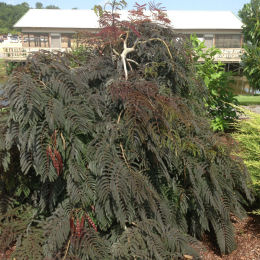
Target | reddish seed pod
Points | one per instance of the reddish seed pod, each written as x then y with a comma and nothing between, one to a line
56,165
72,226
52,155
78,231
82,223
59,159
90,221
56,159
54,135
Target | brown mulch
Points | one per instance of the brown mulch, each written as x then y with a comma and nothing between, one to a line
247,238
7,254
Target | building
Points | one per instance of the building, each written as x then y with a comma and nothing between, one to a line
221,29
56,29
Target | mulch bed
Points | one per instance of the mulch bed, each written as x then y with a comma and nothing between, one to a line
247,238
6,255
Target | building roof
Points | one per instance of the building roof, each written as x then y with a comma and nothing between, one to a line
82,19
57,18
204,20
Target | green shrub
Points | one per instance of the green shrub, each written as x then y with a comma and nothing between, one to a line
218,81
81,55
248,138
11,66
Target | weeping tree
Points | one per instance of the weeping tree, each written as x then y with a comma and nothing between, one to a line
124,163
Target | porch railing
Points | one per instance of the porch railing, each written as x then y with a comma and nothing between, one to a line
21,53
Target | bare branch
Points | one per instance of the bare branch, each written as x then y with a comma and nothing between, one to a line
133,61
115,52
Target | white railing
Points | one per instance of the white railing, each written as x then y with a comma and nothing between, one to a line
13,53
21,53
230,54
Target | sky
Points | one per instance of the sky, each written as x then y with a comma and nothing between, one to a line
222,5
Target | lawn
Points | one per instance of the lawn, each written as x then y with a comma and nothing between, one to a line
2,69
248,100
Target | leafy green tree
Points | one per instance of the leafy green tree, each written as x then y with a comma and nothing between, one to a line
250,15
51,7
38,5
10,14
251,65
217,80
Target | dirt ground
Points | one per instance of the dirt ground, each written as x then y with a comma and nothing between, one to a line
247,238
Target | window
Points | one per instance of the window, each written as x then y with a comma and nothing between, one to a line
228,41
66,40
36,40
44,40
208,40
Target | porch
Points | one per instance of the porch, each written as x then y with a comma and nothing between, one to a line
21,53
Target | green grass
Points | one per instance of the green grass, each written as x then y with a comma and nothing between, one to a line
2,69
248,100
248,138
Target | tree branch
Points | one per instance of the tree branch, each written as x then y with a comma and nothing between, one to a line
158,39
133,61
127,50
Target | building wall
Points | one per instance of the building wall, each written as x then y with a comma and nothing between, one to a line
217,38
229,41
51,37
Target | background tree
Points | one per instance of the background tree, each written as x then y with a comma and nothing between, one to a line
38,5
9,15
250,15
51,7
